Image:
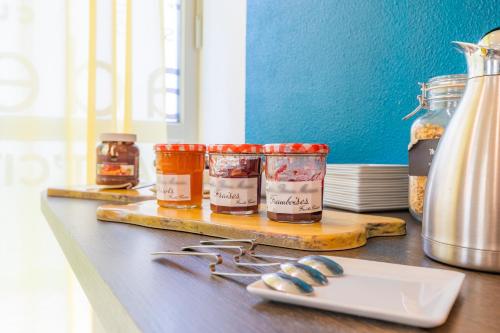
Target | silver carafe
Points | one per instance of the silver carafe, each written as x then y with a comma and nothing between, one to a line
461,222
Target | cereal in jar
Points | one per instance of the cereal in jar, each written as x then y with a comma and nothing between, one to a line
440,97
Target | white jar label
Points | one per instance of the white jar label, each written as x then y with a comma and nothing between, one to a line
294,197
173,187
233,192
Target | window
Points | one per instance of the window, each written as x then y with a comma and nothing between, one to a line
172,36
181,43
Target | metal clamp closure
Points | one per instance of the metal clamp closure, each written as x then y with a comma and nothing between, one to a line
423,99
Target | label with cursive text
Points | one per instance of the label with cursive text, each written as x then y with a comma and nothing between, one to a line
233,192
294,197
173,187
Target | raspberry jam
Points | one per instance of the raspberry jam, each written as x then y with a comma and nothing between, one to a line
294,181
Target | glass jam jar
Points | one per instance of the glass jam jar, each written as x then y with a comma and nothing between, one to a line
117,160
295,174
440,97
235,178
179,175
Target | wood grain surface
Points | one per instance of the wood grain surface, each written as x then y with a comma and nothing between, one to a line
337,230
92,193
131,291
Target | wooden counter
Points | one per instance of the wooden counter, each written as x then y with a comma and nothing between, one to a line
131,292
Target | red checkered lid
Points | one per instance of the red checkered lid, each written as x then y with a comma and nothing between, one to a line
180,147
245,148
296,148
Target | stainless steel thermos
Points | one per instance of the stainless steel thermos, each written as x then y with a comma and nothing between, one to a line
461,221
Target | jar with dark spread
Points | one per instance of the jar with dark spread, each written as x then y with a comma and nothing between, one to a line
179,175
235,178
117,160
295,174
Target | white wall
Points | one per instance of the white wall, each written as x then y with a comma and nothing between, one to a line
222,72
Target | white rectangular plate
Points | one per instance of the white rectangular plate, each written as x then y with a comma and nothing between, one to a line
408,295
369,167
364,201
363,195
360,183
344,174
363,209
367,205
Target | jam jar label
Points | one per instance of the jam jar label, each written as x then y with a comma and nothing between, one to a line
294,197
233,192
173,187
115,169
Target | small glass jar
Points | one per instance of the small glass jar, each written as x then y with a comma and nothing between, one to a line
179,175
440,97
235,178
295,175
117,160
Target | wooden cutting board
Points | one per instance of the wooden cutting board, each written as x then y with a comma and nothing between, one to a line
92,193
336,231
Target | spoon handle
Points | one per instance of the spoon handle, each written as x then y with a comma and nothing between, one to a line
216,257
237,274
251,242
143,186
252,264
266,256
236,258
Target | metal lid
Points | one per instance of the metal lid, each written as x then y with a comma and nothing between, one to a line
180,147
491,38
483,58
118,137
296,148
245,148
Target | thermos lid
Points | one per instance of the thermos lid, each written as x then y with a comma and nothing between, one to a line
491,39
483,58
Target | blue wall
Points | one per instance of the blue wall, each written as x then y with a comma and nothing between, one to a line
344,72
